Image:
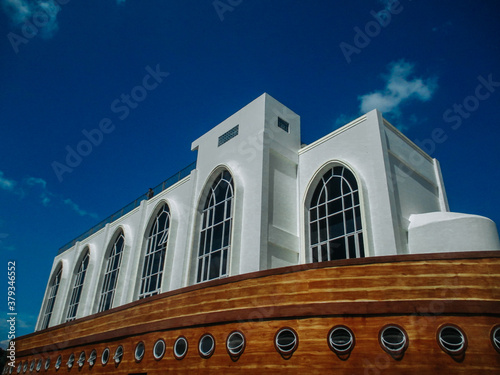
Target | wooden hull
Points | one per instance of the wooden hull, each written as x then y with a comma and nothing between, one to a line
419,293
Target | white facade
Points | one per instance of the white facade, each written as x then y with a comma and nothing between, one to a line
274,177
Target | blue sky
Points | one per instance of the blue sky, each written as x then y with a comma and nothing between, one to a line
155,75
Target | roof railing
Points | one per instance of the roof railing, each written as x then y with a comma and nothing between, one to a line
129,207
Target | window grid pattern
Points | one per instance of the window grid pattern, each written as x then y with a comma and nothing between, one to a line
111,275
154,259
335,218
54,287
230,134
76,294
282,124
215,236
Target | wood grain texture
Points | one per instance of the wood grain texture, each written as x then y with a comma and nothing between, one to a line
419,294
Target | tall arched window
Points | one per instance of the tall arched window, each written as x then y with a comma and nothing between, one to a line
111,274
215,236
335,218
152,271
78,287
52,294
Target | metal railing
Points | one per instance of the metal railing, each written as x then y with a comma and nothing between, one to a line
129,207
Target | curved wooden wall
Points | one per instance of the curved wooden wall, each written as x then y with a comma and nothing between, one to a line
419,293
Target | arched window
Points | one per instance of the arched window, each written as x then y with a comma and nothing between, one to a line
215,236
111,275
78,287
156,250
52,294
335,218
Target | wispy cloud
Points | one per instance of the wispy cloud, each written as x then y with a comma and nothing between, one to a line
39,14
400,87
38,186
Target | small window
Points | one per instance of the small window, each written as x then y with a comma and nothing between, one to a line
47,364
286,342
105,356
39,365
341,340
159,349
206,345
19,367
25,367
227,136
139,351
32,365
58,363
71,360
282,124
235,343
393,340
81,359
92,357
180,347
495,337
452,340
118,354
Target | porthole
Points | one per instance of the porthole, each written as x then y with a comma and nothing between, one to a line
81,359
47,364
71,360
105,356
452,339
118,354
19,367
235,343
25,366
39,365
495,337
393,340
58,362
206,346
286,341
139,351
92,357
32,365
341,340
159,349
180,347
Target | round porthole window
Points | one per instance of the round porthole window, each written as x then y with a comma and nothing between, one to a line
341,340
39,365
159,349
139,351
92,357
206,346
47,364
286,341
118,354
71,360
235,343
105,356
58,362
495,337
180,347
393,340
81,359
452,340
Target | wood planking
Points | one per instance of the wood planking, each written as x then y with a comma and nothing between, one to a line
416,280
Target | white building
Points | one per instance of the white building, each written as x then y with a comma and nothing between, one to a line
259,199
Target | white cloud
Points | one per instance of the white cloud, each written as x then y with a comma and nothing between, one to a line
42,14
5,183
32,185
400,87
